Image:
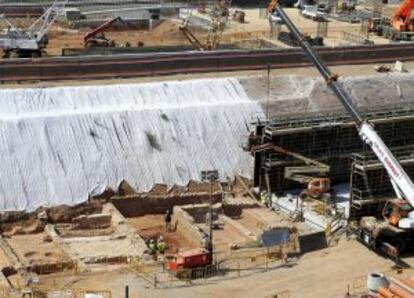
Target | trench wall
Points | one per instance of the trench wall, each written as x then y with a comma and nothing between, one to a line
185,225
139,205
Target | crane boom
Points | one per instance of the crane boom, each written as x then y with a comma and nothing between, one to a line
400,180
100,28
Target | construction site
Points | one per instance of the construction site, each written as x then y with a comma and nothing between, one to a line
208,148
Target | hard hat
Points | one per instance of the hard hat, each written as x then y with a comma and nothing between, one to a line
152,241
161,238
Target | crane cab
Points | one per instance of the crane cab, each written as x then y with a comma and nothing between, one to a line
395,210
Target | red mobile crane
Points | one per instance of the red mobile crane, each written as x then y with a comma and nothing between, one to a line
96,37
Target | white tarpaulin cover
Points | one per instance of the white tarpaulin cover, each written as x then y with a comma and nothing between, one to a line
58,145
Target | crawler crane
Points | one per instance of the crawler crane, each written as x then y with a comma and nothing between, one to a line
25,43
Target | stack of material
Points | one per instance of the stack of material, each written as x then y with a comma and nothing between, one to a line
382,287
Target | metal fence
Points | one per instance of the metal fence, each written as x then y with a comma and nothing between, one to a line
228,264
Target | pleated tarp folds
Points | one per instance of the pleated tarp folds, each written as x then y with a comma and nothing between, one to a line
59,145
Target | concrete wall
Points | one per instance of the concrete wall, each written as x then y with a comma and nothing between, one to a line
142,204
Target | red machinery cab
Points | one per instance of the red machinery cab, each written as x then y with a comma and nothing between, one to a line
190,259
394,210
401,19
319,186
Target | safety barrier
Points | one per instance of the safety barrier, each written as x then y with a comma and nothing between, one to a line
238,263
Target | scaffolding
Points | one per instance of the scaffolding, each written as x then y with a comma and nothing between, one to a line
322,28
330,139
370,184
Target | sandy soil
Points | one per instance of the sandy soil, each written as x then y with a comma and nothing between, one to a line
227,235
325,273
168,33
31,249
4,260
257,219
152,226
123,242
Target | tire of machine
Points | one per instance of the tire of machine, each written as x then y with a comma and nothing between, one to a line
399,244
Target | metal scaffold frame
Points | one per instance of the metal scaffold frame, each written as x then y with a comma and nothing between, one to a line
370,184
327,138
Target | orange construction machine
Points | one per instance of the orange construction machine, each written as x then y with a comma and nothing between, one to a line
401,19
199,257
399,27
313,173
96,37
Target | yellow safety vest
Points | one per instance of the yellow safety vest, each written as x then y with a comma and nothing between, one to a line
161,246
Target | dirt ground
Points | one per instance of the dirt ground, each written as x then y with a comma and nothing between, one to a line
4,260
152,226
325,273
31,249
228,235
168,33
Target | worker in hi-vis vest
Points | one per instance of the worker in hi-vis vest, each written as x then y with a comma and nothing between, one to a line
161,245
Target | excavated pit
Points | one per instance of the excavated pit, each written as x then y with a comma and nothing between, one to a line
74,142
140,148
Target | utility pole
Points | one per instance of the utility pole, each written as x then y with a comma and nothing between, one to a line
211,177
269,66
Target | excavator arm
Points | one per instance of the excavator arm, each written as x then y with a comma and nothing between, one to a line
100,29
403,13
194,41
272,5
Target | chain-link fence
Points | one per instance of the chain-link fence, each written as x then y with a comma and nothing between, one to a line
228,264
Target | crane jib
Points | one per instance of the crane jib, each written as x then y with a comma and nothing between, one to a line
399,178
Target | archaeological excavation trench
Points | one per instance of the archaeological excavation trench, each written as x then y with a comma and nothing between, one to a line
89,172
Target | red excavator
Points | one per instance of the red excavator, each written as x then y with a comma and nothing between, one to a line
399,27
401,19
96,37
